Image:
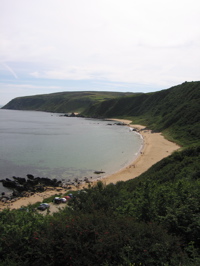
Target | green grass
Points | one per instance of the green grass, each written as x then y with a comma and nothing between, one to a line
61,102
175,111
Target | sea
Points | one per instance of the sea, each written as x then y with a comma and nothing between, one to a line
52,145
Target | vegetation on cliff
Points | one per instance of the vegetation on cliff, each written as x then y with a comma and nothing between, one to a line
153,219
175,111
62,102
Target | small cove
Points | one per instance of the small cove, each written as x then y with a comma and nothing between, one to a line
46,144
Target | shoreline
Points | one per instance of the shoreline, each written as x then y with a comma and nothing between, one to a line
132,163
155,147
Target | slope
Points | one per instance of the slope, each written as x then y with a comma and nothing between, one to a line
175,111
61,102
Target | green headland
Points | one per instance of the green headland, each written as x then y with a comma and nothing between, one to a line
153,219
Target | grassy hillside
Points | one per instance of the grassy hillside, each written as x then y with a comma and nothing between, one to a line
151,220
175,111
61,102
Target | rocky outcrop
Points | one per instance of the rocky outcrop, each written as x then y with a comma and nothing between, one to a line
31,184
98,172
72,115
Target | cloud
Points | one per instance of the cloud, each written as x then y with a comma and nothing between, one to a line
28,86
10,91
35,74
147,42
10,70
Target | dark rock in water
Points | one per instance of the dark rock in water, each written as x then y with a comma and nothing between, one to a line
22,186
59,183
6,196
120,124
56,183
69,115
98,172
46,181
31,183
50,182
86,179
30,176
72,115
9,183
20,180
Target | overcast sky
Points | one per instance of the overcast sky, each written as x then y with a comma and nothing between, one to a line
117,45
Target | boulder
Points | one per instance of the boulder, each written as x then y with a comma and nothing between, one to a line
9,183
20,180
98,172
30,176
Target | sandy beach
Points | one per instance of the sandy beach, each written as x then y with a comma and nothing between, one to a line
155,148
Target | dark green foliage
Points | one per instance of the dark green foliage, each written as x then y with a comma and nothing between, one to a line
167,194
153,219
84,239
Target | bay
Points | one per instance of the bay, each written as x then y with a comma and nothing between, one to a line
50,145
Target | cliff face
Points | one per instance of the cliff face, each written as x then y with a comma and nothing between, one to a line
61,102
176,110
161,103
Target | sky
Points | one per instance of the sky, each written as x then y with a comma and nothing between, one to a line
51,46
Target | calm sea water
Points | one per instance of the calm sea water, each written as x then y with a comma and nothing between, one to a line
46,144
